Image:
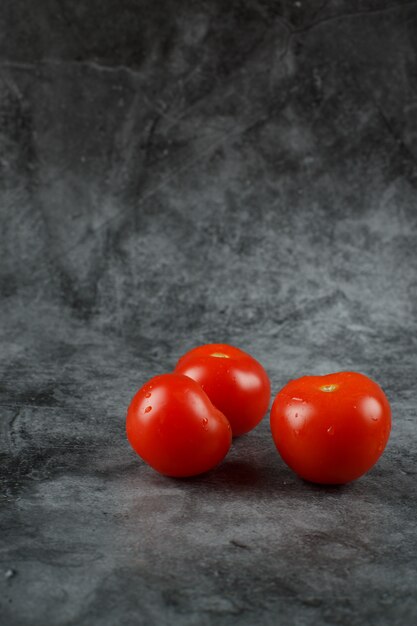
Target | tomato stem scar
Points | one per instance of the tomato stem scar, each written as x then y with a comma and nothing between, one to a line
328,387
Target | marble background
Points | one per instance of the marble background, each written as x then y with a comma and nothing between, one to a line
174,173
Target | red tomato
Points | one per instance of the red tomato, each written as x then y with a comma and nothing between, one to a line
331,429
174,427
233,380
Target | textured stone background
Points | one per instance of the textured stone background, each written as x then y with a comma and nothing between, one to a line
173,173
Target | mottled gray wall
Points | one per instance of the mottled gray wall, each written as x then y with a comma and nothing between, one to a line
179,172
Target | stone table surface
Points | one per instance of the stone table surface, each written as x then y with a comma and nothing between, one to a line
176,173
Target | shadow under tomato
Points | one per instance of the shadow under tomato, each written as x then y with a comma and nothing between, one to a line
269,479
322,487
244,474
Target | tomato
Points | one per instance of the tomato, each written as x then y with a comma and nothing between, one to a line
174,427
233,380
331,429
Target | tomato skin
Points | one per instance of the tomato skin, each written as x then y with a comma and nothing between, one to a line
234,381
173,427
331,429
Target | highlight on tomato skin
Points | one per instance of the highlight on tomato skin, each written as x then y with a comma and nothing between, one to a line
172,425
331,429
236,383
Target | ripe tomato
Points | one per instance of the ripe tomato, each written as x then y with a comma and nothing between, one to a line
174,427
331,429
233,380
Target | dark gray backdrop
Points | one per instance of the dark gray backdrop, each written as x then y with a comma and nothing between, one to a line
173,173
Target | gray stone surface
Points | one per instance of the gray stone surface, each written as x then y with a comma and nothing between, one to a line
173,173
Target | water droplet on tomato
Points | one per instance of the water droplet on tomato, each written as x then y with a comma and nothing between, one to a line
296,433
374,418
148,408
148,395
205,421
296,415
330,430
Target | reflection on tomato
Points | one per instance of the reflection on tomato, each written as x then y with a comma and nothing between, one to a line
233,380
331,429
173,426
